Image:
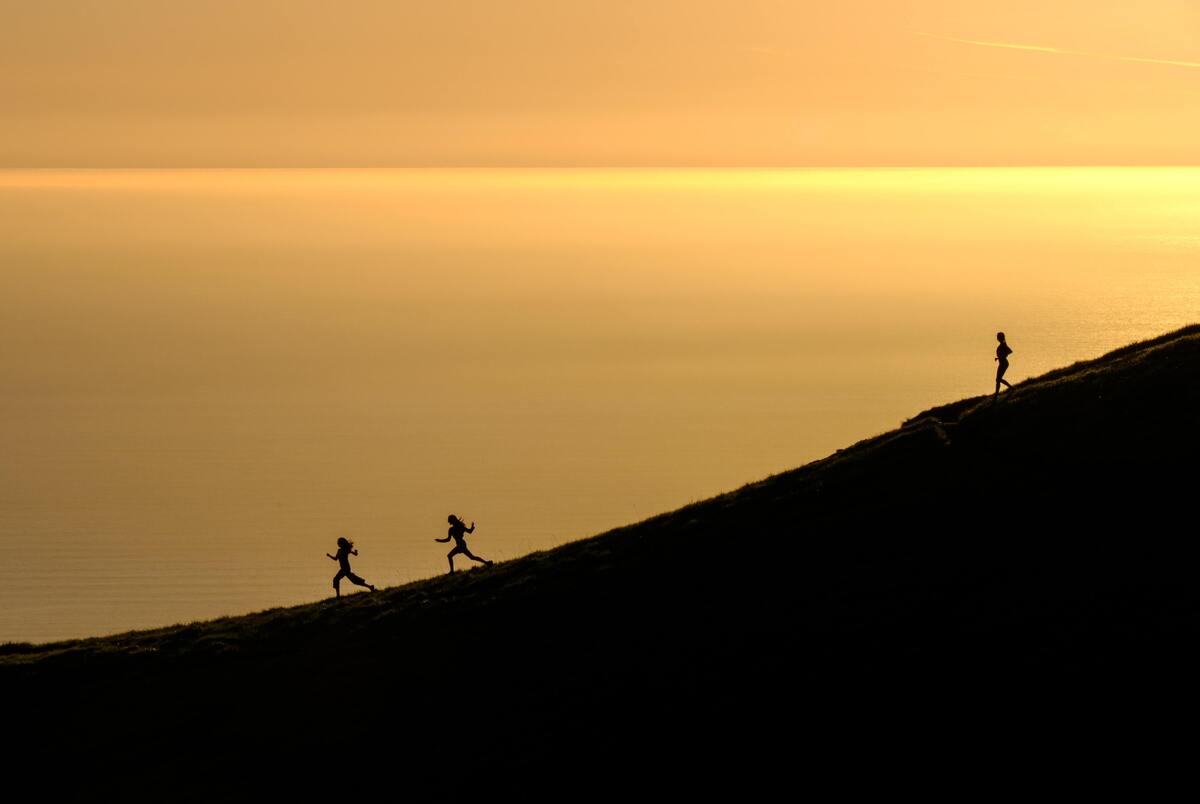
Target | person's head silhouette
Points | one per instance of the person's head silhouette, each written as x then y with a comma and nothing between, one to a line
1000,337
344,542
452,519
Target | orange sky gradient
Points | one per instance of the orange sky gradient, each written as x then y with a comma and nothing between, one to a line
259,83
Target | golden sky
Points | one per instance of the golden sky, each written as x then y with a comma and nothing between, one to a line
598,82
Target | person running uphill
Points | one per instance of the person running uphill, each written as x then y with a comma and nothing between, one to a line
1002,353
345,550
458,533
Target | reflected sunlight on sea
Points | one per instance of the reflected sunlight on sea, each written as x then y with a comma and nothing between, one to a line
209,376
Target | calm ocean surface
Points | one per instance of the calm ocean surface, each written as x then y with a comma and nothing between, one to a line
209,376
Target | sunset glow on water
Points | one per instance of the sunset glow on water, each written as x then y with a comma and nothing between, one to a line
209,376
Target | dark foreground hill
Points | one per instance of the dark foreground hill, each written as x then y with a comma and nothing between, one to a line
989,592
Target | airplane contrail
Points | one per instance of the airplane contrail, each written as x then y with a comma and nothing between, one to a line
1058,50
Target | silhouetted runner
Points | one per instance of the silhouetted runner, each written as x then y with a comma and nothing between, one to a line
458,533
1002,353
345,550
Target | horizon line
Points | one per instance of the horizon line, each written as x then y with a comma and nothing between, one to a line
852,166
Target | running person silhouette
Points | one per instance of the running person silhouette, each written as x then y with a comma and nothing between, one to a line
345,550
458,533
1002,353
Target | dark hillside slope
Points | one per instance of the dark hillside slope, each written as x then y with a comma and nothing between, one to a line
987,576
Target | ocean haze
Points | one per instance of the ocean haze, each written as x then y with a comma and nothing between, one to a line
209,375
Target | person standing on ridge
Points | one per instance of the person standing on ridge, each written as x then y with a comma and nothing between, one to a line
458,532
1002,353
345,550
